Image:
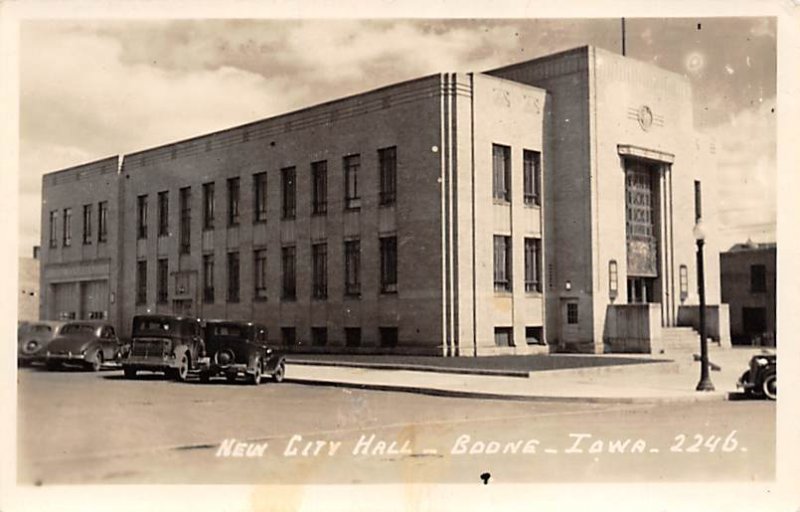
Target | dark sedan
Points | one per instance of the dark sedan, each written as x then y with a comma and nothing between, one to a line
33,338
88,344
240,349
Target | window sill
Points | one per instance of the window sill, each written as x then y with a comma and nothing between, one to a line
532,206
501,202
503,293
259,221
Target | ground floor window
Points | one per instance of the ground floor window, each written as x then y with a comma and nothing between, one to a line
504,336
319,336
388,336
533,336
352,336
288,336
572,313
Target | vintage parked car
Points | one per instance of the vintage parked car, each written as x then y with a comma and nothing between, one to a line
86,343
164,343
32,338
240,349
761,378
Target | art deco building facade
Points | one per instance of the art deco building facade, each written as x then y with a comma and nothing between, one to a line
544,205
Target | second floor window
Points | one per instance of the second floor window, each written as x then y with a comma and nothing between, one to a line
185,198
533,281
352,268
319,188
319,271
102,221
758,278
289,192
162,275
352,166
388,264
141,216
53,229
260,197
141,282
208,278
531,177
163,213
233,277
387,161
260,273
501,173
208,205
289,290
87,224
233,202
502,263
67,235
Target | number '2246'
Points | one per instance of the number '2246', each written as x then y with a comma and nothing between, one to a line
700,443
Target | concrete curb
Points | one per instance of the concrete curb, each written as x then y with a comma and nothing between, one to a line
411,367
717,396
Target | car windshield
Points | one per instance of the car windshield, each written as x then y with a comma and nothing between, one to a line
78,329
239,331
154,325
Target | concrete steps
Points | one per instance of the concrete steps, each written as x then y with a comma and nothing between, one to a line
679,339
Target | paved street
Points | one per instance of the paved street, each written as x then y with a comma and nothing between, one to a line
78,427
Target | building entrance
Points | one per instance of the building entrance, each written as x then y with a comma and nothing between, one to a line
641,290
641,229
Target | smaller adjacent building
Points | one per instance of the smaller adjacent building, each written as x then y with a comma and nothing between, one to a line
28,296
747,274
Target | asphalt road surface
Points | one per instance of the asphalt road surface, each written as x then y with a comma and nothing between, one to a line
78,427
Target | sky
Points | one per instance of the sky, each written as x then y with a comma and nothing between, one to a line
92,89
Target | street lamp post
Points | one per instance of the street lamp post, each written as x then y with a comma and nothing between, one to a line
705,380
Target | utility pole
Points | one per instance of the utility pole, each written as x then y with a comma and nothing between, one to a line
623,37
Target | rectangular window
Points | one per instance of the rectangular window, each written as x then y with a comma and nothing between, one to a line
531,177
141,282
67,235
87,224
502,263
387,161
504,336
208,278
233,276
53,229
352,336
260,274
289,193
352,164
613,279
141,216
572,313
260,195
698,201
163,213
233,201
162,271
533,336
319,188
209,204
388,264
102,221
388,336
684,282
289,288
501,172
288,336
319,271
186,219
352,264
533,280
319,336
758,278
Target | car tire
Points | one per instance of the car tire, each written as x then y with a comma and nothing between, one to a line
769,386
255,377
280,372
130,373
97,363
182,372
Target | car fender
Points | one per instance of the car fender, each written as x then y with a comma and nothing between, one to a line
179,350
274,361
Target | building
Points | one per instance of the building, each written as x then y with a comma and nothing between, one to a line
748,278
543,206
28,298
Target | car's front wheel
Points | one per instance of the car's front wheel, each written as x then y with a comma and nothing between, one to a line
97,362
280,372
182,373
255,377
770,386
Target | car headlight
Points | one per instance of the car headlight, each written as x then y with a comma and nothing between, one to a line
83,352
760,361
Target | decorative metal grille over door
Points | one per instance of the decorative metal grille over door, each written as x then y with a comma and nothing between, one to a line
640,180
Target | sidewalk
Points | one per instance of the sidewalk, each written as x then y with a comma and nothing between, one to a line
655,382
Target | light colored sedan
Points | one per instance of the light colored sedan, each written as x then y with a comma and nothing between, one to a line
33,338
83,343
